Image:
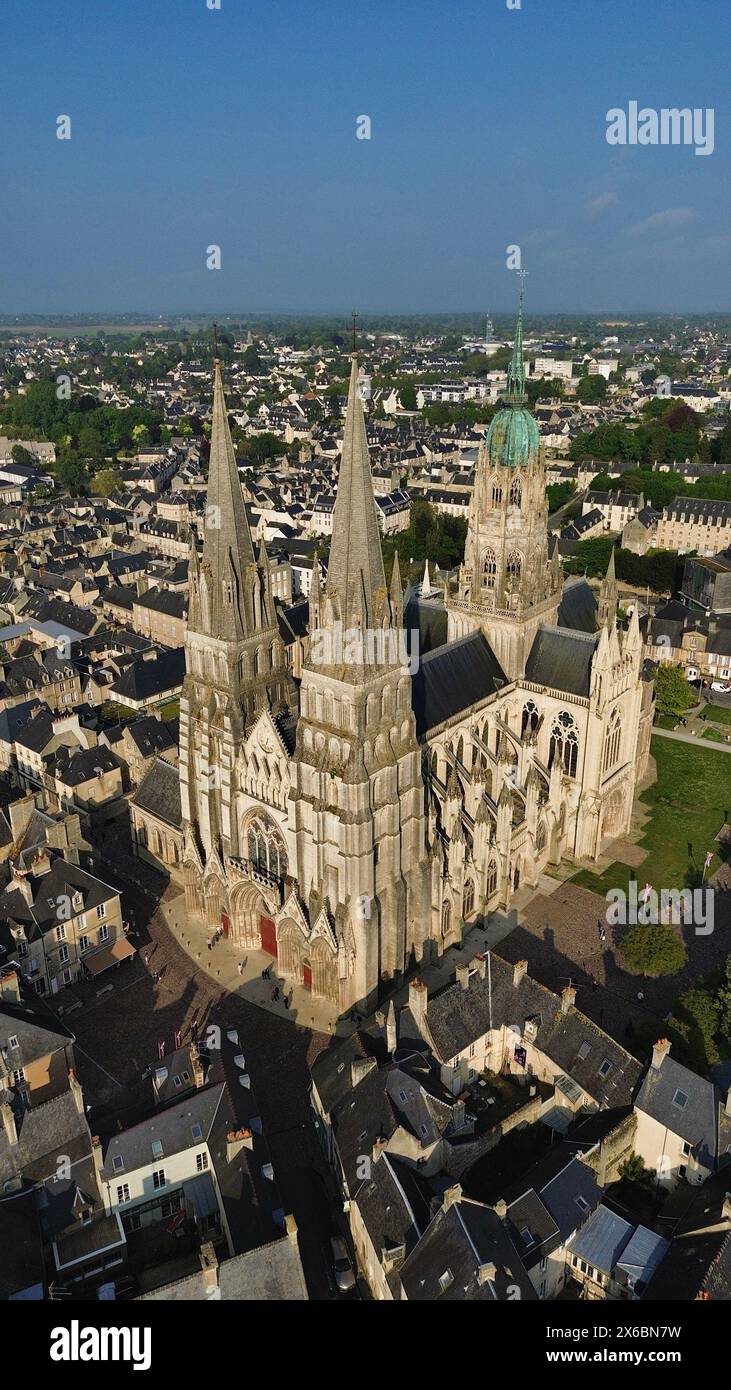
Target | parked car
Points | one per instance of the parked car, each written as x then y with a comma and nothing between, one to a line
344,1276
725,686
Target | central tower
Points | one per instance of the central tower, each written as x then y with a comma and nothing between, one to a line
508,584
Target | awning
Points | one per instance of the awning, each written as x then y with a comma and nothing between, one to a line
121,949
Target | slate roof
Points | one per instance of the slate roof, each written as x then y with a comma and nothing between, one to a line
63,880
561,660
159,792
695,1119
22,1265
457,1017
144,679
37,1035
272,1273
445,1264
602,1239
578,607
698,1263
150,735
452,678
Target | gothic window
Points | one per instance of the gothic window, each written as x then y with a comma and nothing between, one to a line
491,878
228,591
529,720
468,898
515,494
460,750
489,569
514,567
266,848
540,836
497,494
564,744
612,741
446,917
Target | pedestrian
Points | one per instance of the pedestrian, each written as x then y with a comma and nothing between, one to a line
286,1002
275,994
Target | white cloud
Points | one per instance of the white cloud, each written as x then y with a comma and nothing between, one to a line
596,207
667,221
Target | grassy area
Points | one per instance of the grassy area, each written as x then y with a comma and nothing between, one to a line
667,721
169,711
113,713
716,735
717,714
688,804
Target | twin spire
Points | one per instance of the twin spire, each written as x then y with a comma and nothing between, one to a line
355,573
227,595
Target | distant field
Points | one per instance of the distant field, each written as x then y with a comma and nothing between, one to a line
80,330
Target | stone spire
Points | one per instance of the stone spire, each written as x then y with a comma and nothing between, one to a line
225,604
355,575
608,594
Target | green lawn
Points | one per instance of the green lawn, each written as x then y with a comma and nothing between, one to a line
715,735
169,711
717,714
688,803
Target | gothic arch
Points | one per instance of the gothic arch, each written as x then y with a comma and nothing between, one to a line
516,493
324,970
468,898
264,844
514,567
489,569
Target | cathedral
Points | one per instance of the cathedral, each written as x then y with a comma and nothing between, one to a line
352,822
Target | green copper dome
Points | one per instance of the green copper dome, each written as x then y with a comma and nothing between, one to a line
513,440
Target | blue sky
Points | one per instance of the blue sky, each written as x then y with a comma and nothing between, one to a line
192,127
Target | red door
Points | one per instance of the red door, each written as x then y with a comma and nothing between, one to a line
225,923
268,935
307,974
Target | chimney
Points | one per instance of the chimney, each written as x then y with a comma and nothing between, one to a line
291,1228
660,1052
501,1209
197,1067
236,1140
76,1091
418,999
486,1273
96,1154
520,970
462,974
568,998
391,1030
479,963
9,1125
450,1196
19,814
209,1266
10,987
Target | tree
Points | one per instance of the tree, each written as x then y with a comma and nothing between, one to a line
407,395
653,950
558,494
105,481
673,695
140,436
591,389
21,455
71,473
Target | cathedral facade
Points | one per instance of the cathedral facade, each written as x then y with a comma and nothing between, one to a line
351,823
